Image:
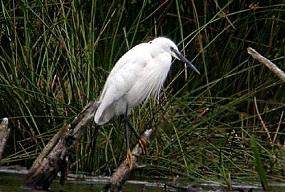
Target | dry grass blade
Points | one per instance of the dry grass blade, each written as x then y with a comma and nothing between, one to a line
262,122
278,127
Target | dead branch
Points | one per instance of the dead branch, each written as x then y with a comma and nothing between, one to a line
277,71
123,171
55,155
4,134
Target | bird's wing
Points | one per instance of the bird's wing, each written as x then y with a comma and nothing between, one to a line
130,57
125,71
121,79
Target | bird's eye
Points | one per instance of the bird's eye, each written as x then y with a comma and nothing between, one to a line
150,42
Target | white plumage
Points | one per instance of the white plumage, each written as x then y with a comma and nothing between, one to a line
137,75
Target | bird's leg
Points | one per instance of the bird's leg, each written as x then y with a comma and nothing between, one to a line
129,153
141,141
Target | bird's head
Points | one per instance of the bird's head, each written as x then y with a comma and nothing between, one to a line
169,46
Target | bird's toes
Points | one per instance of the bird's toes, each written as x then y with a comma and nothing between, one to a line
143,143
130,159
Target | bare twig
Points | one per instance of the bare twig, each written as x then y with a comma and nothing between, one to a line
262,122
267,63
123,171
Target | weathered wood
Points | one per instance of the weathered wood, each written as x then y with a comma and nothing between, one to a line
4,134
122,173
55,155
276,70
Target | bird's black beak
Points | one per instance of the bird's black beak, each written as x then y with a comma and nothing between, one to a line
184,60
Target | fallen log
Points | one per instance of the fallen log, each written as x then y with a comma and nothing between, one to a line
4,134
124,170
55,155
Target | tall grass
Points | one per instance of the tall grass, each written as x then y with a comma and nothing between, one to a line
56,55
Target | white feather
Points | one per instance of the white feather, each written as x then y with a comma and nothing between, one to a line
138,75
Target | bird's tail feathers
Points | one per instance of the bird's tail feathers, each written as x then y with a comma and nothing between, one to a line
102,116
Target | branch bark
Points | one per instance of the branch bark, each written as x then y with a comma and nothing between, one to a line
55,155
4,134
277,71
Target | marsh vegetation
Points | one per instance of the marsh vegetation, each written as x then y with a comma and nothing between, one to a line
56,55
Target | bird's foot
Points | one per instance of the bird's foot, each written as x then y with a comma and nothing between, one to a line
143,143
130,158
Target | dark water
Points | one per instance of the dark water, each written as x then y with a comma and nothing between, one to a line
11,182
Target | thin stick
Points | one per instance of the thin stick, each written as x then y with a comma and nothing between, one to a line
277,71
262,122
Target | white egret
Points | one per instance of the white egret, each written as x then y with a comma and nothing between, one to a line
137,75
